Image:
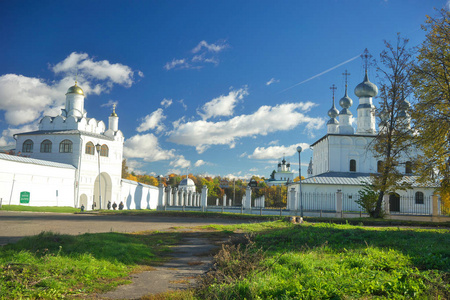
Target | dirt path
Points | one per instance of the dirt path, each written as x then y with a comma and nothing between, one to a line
190,259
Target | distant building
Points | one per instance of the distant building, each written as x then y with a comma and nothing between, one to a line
283,175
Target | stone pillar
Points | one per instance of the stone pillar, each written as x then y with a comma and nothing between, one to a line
292,203
161,201
204,200
230,202
198,198
169,195
387,208
217,202
190,198
175,196
248,198
434,206
338,204
185,198
224,200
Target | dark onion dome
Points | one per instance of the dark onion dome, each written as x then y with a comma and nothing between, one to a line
366,88
333,112
75,90
346,101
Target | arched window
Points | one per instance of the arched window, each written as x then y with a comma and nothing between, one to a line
104,151
379,166
27,146
46,146
419,198
65,146
90,148
408,167
352,165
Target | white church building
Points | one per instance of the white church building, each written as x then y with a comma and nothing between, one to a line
72,160
343,159
283,175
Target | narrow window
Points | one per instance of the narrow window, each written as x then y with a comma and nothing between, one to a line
65,146
90,148
27,146
46,146
408,167
419,198
379,166
104,151
352,165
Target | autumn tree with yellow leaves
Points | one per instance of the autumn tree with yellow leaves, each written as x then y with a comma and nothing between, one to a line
431,82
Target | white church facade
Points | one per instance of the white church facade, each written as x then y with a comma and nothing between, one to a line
343,158
71,160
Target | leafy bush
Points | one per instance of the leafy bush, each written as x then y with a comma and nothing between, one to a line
368,199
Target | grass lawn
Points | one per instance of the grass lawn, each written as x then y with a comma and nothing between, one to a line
53,266
283,261
57,209
331,261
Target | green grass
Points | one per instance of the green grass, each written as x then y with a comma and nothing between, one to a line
308,261
192,214
57,209
329,261
53,266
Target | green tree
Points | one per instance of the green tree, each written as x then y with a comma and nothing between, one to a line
431,81
393,140
124,169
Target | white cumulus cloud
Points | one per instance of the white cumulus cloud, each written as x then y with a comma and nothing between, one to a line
176,63
180,162
202,134
166,102
275,152
146,146
223,105
153,121
24,98
210,47
100,70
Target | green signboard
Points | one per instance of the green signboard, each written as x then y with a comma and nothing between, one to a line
24,197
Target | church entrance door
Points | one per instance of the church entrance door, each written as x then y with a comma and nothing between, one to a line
394,202
84,201
106,190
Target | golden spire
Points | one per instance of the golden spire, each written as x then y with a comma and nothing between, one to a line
114,111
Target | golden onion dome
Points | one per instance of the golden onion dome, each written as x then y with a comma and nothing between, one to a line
75,90
113,114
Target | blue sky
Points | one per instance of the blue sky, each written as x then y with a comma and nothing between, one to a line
217,87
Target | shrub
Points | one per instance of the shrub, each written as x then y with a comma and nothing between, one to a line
368,199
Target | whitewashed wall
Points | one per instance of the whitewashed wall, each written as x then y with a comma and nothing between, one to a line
48,186
136,195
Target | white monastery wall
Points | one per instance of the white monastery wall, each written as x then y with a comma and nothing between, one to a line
138,196
48,186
